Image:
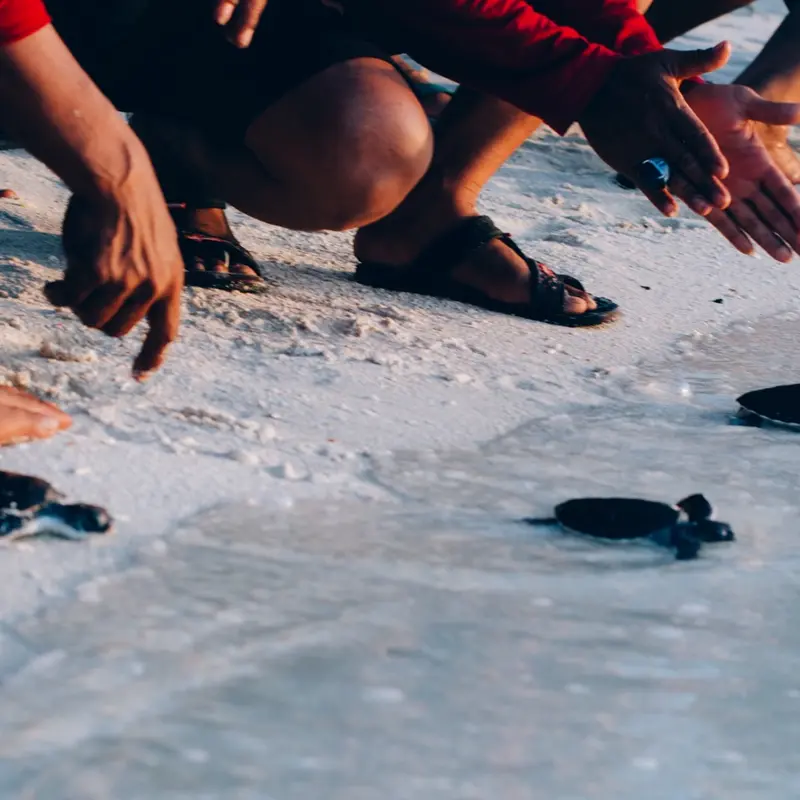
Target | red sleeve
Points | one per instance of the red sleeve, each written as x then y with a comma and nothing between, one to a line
21,18
502,47
617,24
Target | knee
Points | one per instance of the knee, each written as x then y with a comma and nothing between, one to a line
381,163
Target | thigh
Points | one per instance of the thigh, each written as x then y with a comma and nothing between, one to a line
220,89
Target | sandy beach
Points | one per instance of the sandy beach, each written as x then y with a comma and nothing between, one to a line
317,587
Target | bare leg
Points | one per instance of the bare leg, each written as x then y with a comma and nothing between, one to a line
340,151
474,137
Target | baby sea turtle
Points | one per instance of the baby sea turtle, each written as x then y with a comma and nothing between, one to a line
32,507
778,405
683,528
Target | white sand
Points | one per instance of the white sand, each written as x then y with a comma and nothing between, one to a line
298,394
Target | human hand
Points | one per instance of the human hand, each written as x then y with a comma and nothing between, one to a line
240,19
23,417
765,206
123,265
775,139
640,113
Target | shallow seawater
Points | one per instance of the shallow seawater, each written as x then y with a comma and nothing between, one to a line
435,648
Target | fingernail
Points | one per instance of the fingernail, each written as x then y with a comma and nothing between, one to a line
224,14
141,375
47,426
703,208
244,38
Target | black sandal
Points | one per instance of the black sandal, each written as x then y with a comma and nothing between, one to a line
431,274
196,244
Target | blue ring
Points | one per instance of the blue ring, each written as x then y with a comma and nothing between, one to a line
654,173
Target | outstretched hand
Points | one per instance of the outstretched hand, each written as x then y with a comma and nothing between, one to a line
240,19
765,206
640,113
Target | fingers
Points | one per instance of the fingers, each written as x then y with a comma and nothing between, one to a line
10,396
23,417
67,293
761,110
247,20
224,11
724,222
778,204
243,16
164,320
101,306
692,63
687,192
693,151
750,222
661,199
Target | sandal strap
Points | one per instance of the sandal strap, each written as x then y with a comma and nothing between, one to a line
228,248
548,290
455,246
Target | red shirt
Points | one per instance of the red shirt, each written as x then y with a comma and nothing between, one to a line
21,18
549,61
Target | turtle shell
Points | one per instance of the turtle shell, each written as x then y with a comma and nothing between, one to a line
616,517
777,404
23,492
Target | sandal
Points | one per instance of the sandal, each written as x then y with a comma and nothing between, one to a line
432,274
195,244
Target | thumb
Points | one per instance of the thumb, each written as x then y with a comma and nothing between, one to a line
690,63
761,110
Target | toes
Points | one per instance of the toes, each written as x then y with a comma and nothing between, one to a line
243,269
221,263
577,305
584,300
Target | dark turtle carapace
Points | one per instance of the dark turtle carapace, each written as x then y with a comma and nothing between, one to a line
779,405
32,507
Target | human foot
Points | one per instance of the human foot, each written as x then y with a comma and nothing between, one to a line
212,255
495,269
23,417
435,272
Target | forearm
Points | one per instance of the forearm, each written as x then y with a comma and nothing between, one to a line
775,73
52,107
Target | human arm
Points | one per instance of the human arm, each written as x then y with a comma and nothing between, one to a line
123,262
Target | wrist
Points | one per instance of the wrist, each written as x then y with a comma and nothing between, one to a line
112,162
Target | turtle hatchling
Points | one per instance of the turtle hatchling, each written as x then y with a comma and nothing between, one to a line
32,507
